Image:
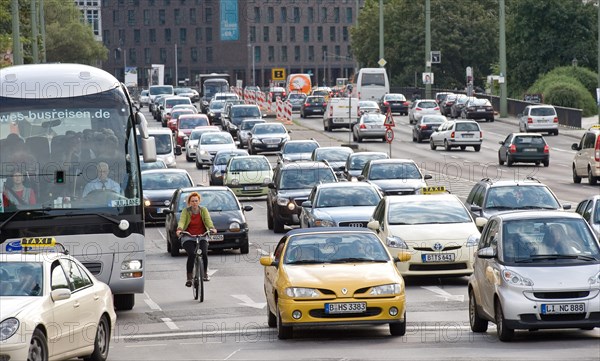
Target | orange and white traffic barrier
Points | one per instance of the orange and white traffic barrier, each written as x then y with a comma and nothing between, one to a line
288,113
279,110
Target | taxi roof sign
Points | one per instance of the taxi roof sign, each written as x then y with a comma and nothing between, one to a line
433,190
38,242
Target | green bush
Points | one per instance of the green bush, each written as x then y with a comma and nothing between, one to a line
561,88
588,78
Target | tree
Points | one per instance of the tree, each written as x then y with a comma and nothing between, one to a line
68,39
465,32
543,35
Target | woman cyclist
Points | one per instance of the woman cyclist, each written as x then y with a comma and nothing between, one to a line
195,220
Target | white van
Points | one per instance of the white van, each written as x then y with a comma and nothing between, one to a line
340,113
165,150
371,84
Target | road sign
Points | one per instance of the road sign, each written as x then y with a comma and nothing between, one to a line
389,121
436,57
382,62
389,135
278,74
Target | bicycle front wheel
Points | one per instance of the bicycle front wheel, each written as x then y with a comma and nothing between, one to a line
198,284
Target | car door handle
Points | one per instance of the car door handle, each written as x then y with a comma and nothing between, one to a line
76,305
96,297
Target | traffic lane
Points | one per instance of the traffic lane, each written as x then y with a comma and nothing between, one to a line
460,170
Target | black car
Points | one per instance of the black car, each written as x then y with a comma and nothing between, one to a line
219,164
225,211
297,150
425,126
158,186
292,182
459,104
356,162
335,157
267,137
215,109
478,108
397,103
236,114
447,103
489,197
277,92
296,99
313,105
524,148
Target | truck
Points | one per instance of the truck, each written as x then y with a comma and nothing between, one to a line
340,113
210,84
298,83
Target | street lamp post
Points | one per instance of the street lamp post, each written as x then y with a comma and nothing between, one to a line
124,53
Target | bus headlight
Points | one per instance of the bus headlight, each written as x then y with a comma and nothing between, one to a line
131,269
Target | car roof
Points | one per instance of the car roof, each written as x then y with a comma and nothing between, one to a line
527,134
346,185
232,151
392,161
334,147
304,164
165,170
421,197
159,131
205,188
329,230
302,141
355,154
528,214
43,255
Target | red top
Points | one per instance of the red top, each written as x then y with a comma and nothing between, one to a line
196,225
19,194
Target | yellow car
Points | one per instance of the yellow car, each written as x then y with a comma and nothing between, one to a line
333,276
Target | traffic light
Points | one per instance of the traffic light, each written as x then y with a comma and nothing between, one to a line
59,176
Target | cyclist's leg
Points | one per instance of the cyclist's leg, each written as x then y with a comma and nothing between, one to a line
190,249
204,247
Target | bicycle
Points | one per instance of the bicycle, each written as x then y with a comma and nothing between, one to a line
198,272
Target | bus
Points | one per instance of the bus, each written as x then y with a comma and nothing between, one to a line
209,85
62,127
370,84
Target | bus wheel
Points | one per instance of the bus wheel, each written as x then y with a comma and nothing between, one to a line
124,302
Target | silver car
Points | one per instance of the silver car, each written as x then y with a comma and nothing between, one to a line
369,126
339,205
421,107
457,133
245,129
538,118
535,270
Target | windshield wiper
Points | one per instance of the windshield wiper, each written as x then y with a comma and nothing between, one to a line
560,256
305,262
500,207
19,211
72,214
356,259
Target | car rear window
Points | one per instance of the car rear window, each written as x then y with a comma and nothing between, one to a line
529,140
542,111
427,105
467,127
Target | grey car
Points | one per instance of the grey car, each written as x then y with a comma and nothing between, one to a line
297,150
356,162
245,129
395,176
339,205
369,126
217,168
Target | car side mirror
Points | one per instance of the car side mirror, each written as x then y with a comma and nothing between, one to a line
427,176
167,211
177,150
566,206
306,204
271,186
575,146
60,294
373,225
268,261
501,142
361,177
487,252
248,208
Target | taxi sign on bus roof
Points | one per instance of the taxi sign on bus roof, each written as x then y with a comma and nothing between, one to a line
433,190
38,242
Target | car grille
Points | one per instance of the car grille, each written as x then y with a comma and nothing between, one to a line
320,313
427,249
95,268
272,140
561,295
437,267
353,224
399,192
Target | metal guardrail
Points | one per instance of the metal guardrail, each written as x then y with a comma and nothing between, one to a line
569,117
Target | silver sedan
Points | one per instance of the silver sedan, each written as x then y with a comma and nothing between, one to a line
369,126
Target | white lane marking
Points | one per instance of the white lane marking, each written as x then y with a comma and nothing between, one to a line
170,324
153,305
231,354
247,301
211,271
146,345
443,294
262,252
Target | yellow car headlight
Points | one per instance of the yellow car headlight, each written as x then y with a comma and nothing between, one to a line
301,292
390,289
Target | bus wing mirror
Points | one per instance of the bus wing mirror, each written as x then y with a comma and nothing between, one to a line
148,149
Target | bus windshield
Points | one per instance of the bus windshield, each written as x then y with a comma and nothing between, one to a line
212,87
71,152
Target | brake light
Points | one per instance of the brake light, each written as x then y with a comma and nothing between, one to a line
436,108
418,109
546,149
529,120
452,135
556,120
386,104
306,104
512,148
405,103
480,135
597,150
362,126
